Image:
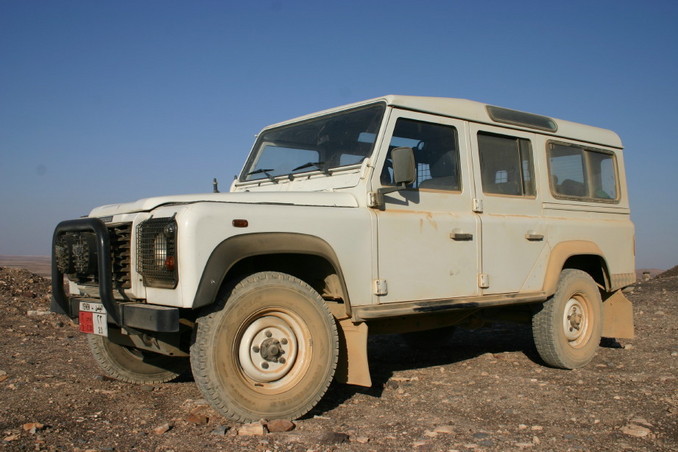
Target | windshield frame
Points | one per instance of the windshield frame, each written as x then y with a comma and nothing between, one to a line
256,171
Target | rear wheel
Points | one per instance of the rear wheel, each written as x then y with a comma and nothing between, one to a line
271,352
568,327
133,365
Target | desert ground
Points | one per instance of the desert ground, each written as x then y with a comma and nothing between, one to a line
478,390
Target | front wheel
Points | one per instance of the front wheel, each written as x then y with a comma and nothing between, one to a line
270,353
568,327
133,365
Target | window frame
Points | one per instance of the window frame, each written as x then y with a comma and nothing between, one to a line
586,152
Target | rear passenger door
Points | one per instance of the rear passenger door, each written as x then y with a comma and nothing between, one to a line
509,208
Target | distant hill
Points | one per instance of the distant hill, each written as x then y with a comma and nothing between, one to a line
40,265
668,273
652,271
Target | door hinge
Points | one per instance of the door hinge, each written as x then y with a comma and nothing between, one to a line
477,205
380,287
483,280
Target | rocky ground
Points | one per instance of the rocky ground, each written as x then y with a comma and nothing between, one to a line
480,390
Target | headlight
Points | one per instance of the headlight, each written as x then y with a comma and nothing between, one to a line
157,252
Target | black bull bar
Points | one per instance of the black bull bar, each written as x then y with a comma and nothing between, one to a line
60,302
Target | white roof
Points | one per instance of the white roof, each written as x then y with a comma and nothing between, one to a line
477,112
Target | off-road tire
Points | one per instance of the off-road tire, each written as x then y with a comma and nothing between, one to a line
237,349
133,365
568,327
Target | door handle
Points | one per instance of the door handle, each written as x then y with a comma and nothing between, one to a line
461,236
534,237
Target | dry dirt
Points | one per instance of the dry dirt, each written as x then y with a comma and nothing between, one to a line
479,390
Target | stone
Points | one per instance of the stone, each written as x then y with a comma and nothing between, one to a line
334,438
164,428
253,429
33,427
635,430
448,429
37,313
362,439
220,430
280,425
197,419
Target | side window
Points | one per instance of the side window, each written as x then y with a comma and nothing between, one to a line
436,153
506,166
582,173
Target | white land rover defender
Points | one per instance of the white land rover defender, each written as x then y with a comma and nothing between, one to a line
396,214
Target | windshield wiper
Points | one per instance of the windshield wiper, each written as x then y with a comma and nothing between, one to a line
319,165
266,171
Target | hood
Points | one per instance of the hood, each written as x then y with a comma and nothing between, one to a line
320,199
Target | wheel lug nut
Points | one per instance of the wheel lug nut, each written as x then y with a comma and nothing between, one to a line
255,349
281,360
268,333
264,365
283,341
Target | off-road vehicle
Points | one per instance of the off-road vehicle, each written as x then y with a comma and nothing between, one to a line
396,214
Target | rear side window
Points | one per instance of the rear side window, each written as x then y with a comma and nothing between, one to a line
578,172
506,165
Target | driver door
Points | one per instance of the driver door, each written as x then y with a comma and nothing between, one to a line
427,234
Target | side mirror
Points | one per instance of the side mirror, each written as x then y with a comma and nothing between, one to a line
404,170
404,173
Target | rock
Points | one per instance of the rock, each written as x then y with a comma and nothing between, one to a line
220,430
9,438
334,438
448,429
362,439
253,429
33,427
280,425
3,378
37,313
164,428
635,430
640,421
197,419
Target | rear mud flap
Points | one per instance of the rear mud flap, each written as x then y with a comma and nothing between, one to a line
618,317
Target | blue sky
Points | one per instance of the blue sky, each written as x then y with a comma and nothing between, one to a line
104,102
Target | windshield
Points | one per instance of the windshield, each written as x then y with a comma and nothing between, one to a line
320,144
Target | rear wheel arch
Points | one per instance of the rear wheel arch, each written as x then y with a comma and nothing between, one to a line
576,254
306,257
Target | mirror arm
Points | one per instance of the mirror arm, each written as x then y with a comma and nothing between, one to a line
378,201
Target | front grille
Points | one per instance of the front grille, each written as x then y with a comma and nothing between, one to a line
121,254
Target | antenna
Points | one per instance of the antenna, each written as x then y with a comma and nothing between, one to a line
215,185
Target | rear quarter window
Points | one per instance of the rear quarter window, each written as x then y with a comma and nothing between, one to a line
582,173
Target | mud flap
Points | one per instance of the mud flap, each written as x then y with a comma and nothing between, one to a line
618,317
353,367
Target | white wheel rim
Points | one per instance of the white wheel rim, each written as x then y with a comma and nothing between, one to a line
575,321
269,348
